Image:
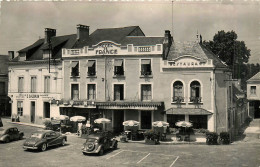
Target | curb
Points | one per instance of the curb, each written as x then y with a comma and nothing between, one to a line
27,124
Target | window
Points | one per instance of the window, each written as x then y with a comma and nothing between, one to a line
178,92
119,92
20,108
146,67
129,48
75,91
91,67
119,67
20,84
146,93
91,91
2,88
253,90
33,84
46,84
74,68
158,47
195,96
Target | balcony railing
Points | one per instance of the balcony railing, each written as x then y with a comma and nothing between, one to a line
178,99
195,99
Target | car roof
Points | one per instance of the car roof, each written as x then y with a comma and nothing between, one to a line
43,131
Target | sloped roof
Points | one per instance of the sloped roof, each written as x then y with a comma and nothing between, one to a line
35,44
142,40
109,34
188,111
255,78
194,49
35,51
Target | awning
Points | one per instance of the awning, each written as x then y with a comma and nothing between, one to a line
188,111
146,61
129,104
118,62
73,64
90,63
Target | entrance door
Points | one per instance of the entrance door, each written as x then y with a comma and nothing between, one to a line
146,119
118,120
46,110
257,109
32,111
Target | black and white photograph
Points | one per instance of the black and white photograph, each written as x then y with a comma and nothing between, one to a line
125,83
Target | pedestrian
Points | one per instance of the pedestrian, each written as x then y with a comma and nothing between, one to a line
80,129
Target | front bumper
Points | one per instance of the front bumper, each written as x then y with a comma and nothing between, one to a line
31,148
95,151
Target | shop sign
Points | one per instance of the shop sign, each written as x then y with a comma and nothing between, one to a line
106,48
31,95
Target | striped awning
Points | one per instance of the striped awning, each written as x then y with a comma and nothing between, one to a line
73,64
125,104
188,111
90,63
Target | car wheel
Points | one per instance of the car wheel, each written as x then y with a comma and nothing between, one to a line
63,142
44,147
101,152
7,140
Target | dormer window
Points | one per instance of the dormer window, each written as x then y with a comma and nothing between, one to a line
119,67
91,67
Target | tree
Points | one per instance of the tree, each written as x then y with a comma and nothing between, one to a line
231,51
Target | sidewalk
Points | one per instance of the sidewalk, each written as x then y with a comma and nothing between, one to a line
27,124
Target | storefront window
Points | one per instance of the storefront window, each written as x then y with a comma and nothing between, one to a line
199,121
20,108
172,119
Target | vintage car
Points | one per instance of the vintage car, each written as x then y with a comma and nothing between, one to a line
12,133
98,143
42,139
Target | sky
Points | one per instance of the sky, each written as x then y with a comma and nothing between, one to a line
22,23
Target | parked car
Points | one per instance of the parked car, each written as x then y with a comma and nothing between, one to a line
42,139
98,143
9,134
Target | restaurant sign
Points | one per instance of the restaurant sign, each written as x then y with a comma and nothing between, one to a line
34,96
187,63
106,48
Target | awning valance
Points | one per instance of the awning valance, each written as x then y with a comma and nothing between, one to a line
73,64
118,62
90,63
188,111
146,61
125,103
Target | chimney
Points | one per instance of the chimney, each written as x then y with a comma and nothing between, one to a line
11,55
48,34
167,37
82,32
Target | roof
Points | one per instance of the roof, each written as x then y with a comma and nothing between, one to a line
188,111
142,40
194,49
109,34
35,51
256,77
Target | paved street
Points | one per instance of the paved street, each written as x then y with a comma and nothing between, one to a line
131,154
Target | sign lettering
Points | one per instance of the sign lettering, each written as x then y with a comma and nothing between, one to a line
106,48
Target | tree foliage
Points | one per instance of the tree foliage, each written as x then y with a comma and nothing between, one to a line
226,46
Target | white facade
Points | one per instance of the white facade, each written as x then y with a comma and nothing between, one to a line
44,99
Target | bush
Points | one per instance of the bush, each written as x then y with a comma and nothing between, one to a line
212,138
224,138
151,135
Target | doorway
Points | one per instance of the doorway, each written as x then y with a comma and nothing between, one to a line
118,121
146,119
257,109
32,111
46,106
